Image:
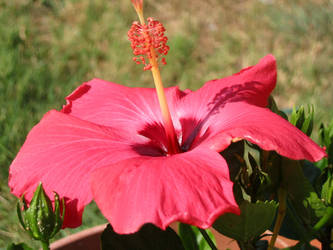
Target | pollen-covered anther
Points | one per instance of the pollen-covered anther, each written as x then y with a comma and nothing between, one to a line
147,39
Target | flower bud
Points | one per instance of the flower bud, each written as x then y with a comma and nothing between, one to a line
39,218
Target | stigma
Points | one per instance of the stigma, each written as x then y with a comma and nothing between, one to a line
148,42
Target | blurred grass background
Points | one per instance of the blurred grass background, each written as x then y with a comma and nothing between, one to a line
49,47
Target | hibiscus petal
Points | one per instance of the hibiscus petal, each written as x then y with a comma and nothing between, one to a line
114,105
261,127
252,85
60,152
192,187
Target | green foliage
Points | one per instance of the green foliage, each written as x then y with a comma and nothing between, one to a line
192,238
20,246
305,207
254,219
326,140
274,108
188,237
327,186
301,193
147,238
303,120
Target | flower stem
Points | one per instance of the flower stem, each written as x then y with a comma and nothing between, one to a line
208,239
324,220
45,245
282,196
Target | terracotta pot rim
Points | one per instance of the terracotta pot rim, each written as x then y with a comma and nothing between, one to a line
78,236
228,242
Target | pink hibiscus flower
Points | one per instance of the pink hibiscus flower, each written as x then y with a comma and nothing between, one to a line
108,144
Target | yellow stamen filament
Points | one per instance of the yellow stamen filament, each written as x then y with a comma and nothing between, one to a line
168,124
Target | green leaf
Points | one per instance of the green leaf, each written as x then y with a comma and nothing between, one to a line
311,171
326,134
20,246
326,139
193,239
326,220
297,116
147,238
327,188
292,226
305,208
274,108
203,245
255,218
301,193
301,120
188,237
307,125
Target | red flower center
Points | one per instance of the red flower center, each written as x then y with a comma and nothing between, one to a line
188,137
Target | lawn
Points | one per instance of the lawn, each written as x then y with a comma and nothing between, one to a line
49,47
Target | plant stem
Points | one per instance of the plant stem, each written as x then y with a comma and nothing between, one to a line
324,220
45,245
208,239
282,196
